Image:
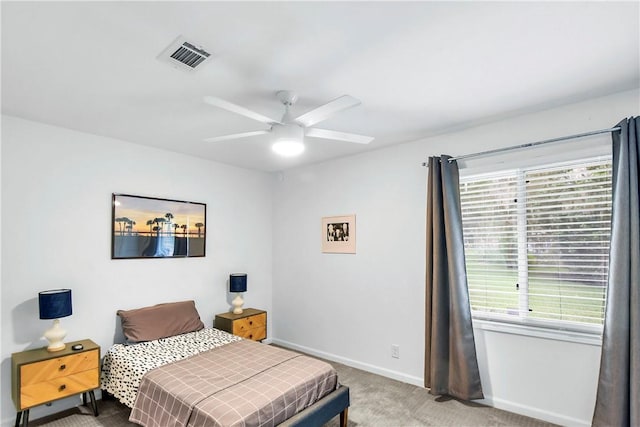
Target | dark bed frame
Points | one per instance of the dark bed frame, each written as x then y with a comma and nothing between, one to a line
318,414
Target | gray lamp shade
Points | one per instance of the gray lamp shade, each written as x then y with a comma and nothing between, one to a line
238,282
55,303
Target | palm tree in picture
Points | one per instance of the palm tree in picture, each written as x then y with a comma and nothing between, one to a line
175,228
169,217
160,225
184,229
129,227
150,224
121,221
199,226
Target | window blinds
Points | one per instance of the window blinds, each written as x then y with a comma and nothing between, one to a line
537,242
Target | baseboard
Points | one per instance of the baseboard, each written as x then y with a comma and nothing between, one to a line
410,379
530,411
498,403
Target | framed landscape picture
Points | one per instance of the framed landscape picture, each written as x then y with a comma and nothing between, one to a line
339,234
147,227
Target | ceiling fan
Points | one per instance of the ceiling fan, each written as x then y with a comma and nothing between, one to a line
287,134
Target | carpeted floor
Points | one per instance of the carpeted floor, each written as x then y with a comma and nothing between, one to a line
376,401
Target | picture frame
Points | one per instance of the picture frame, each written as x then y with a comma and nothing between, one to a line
338,234
149,227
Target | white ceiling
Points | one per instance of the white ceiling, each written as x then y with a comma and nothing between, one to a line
419,68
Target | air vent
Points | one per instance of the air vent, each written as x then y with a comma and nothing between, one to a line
184,55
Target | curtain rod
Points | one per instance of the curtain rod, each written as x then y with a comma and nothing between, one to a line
532,144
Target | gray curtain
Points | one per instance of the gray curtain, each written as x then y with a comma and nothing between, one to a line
618,399
451,367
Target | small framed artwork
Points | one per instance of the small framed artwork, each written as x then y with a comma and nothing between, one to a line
147,227
339,234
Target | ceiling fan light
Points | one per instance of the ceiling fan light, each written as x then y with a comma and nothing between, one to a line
288,148
288,139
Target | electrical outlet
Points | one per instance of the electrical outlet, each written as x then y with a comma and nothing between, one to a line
395,351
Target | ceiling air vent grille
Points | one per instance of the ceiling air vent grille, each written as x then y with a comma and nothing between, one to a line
184,55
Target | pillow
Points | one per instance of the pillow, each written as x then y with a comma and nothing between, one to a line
160,321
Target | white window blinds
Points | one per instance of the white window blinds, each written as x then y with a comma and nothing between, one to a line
537,243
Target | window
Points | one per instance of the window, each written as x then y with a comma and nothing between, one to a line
537,243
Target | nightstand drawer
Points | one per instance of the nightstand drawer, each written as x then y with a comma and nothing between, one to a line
57,388
255,334
60,367
241,326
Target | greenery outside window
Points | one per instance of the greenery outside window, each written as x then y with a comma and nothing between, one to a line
537,244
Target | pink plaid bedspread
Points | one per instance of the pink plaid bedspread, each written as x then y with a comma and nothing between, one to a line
244,383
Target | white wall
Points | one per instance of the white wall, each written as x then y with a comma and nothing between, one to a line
56,224
352,308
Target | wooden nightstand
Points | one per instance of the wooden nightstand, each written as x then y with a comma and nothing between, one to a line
251,324
38,376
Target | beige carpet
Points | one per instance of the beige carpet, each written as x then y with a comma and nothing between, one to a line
375,402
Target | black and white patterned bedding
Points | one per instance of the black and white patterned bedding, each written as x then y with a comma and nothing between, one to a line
124,365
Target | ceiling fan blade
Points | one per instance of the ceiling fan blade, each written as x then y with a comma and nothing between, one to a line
226,105
323,112
339,136
235,136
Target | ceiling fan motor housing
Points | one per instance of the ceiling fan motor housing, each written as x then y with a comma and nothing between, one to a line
287,132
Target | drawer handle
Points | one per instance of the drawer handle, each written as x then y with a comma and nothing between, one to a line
62,387
251,322
250,336
62,367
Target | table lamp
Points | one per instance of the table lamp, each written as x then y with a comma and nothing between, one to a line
55,304
238,284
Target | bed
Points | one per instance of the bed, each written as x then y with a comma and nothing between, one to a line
207,377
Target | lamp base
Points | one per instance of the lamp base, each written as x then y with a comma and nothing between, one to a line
237,304
55,335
